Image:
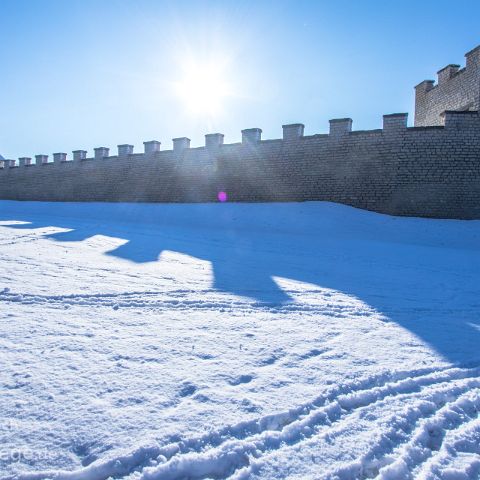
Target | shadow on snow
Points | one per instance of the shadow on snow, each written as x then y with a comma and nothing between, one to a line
422,274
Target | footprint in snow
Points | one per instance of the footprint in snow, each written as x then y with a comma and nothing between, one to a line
241,379
204,356
249,406
200,397
268,360
313,353
187,389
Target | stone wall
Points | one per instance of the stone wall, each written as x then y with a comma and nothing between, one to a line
424,171
456,89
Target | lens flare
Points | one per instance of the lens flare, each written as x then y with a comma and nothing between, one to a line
222,196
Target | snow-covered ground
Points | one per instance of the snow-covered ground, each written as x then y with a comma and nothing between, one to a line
299,341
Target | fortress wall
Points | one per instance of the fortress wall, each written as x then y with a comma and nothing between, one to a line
456,89
427,171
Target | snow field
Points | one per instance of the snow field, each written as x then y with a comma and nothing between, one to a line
237,341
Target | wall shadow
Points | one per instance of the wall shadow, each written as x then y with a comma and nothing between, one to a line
421,274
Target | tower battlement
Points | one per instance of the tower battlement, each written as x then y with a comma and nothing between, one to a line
456,89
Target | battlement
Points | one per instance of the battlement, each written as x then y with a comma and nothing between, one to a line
340,130
456,89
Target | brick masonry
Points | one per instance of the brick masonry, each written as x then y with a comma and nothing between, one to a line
417,171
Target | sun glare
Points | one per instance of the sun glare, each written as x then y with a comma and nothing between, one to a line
203,89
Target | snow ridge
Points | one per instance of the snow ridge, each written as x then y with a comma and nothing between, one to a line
178,300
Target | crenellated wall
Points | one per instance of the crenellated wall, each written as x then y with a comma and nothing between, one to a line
456,89
419,171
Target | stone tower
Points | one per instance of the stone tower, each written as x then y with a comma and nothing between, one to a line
456,89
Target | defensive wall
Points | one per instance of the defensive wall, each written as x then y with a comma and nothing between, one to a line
431,171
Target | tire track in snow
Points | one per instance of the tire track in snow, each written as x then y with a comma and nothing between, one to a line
242,454
235,448
428,437
343,398
465,439
404,445
368,465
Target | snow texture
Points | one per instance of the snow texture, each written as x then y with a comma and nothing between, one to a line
240,341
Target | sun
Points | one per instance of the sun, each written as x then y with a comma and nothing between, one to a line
204,88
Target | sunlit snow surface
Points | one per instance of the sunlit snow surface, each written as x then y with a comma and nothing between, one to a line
237,341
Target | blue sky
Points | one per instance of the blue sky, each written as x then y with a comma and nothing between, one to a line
79,74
